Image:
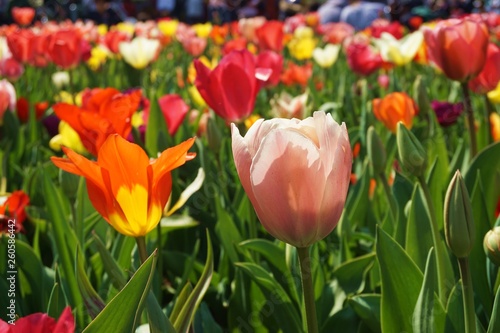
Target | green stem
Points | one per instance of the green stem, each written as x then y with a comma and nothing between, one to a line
72,86
470,120
141,246
436,240
307,289
468,296
390,197
489,110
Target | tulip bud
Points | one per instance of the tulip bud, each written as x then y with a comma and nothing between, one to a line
491,245
458,220
411,152
214,135
376,151
420,95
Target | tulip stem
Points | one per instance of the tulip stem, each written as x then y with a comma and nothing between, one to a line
390,197
489,110
308,289
467,295
436,240
141,246
470,120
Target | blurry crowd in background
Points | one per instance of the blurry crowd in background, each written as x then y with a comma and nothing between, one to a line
355,12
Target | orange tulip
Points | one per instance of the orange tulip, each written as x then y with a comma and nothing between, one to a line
458,47
295,74
393,108
14,208
124,186
103,113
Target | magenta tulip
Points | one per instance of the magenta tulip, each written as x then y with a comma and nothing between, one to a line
296,174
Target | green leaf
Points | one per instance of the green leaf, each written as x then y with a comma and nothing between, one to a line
204,322
494,325
351,274
57,302
91,299
180,300
270,250
278,300
367,307
455,311
227,232
356,206
183,321
403,191
437,186
122,313
156,126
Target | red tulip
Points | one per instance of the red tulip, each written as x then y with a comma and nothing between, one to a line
23,15
14,209
19,44
236,44
231,88
273,61
11,69
458,47
41,323
174,110
114,38
105,112
23,108
379,26
38,56
270,36
489,77
65,48
362,59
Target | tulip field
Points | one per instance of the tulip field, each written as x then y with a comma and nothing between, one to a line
258,176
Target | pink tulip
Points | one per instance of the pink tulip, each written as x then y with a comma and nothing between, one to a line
174,110
7,98
296,174
273,61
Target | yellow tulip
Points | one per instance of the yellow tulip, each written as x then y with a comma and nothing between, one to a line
494,95
302,49
399,52
168,28
67,137
203,30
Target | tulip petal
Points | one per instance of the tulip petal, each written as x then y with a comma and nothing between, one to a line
239,89
293,188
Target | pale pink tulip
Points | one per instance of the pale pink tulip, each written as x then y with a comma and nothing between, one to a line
296,174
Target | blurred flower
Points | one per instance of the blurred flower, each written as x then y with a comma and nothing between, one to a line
191,76
19,42
380,26
65,48
299,203
231,88
4,48
335,33
168,27
447,113
196,97
327,56
39,56
383,81
124,186
251,120
236,44
495,126
13,207
23,15
140,52
286,106
219,33
458,47
270,36
126,27
248,27
41,323
489,76
494,95
113,39
203,29
105,112
67,137
362,59
194,45
393,108
274,61
295,74
174,111
23,107
399,52
98,57
7,98
11,69
302,49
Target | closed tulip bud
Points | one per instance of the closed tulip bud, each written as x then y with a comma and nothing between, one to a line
420,95
376,151
214,135
458,221
411,153
491,245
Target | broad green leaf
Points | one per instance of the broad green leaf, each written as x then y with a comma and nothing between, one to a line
204,321
270,250
122,313
367,307
403,191
437,186
425,317
57,302
278,300
455,310
344,321
358,197
494,325
180,300
351,274
227,232
185,318
91,299
156,126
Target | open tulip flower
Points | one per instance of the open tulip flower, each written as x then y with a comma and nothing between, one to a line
326,57
139,52
124,186
458,47
393,108
299,203
399,52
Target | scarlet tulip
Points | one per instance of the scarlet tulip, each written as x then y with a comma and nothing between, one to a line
270,36
38,56
393,108
124,186
23,15
298,202
174,110
273,61
231,88
362,59
41,323
19,42
103,113
14,208
23,109
65,48
113,39
489,77
458,47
